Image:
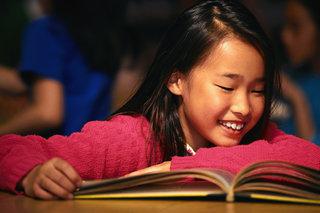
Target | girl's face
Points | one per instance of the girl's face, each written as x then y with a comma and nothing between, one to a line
299,34
221,98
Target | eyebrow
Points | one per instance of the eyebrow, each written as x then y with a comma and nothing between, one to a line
237,76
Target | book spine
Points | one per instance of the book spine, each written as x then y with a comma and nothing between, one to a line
230,196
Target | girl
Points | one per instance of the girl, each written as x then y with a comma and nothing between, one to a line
204,103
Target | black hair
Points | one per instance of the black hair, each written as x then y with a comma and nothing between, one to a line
96,26
187,42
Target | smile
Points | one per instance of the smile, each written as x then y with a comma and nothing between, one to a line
232,125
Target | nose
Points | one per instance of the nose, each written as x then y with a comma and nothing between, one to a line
241,105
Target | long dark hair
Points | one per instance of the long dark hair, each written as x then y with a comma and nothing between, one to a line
187,42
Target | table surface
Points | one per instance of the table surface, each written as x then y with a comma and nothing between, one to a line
19,203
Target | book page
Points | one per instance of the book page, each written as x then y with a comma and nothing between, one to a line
278,178
217,178
165,190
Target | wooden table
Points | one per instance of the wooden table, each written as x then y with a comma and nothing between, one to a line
12,203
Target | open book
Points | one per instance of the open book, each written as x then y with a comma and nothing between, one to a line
268,180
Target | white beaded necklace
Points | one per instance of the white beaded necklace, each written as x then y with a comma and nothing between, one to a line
190,150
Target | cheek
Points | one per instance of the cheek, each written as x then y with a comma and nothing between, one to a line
206,100
258,108
204,107
213,103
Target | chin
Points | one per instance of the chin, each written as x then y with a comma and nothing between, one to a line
227,143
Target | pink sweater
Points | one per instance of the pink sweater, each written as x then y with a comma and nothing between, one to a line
124,144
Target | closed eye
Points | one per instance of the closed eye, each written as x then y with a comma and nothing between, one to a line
258,91
227,89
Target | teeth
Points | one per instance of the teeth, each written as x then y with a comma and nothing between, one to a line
233,126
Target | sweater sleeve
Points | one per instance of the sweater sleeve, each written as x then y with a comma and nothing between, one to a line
102,149
280,147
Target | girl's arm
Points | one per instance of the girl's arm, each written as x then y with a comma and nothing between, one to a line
276,146
102,149
20,155
283,148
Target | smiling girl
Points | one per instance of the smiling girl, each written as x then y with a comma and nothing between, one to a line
205,102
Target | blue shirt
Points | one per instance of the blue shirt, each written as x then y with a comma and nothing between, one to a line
48,51
310,85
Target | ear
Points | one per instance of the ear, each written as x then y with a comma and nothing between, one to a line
175,83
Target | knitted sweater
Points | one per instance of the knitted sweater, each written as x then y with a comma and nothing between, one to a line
106,149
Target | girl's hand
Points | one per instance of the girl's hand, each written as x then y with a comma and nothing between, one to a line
54,179
162,167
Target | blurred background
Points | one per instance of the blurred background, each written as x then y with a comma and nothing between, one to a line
63,63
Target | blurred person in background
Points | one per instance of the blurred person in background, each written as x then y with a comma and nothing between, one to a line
145,22
12,21
299,109
68,63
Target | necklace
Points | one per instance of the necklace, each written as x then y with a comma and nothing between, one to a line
190,150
